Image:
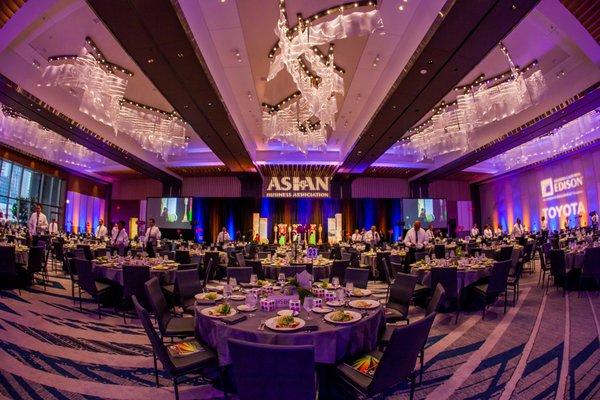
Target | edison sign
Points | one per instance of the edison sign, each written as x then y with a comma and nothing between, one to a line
297,186
557,188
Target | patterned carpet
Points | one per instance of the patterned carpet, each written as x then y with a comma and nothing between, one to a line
547,347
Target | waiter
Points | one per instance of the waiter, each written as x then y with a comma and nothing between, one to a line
101,230
518,229
38,223
372,237
223,236
415,238
120,238
53,227
151,237
356,236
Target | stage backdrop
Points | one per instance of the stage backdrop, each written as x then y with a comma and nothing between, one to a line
565,189
210,214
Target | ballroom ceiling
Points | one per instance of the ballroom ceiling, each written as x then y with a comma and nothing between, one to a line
208,61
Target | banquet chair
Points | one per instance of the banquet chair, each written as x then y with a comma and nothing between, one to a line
335,253
514,279
396,267
188,285
168,253
346,256
591,267
257,268
292,270
72,271
354,259
182,256
179,366
182,267
134,277
9,270
401,294
89,284
396,363
168,325
285,372
58,254
474,251
528,257
209,273
448,279
420,255
241,274
439,251
263,254
505,253
241,261
544,265
80,253
338,269
558,269
359,277
36,265
496,286
87,252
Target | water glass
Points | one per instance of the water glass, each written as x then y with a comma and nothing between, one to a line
227,290
232,281
308,305
335,281
281,278
253,278
349,287
341,294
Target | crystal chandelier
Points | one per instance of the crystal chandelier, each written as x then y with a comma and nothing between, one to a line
571,135
301,120
484,102
20,131
100,86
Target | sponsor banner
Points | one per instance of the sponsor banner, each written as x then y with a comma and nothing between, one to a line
297,186
556,188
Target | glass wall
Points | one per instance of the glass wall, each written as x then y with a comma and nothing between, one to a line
21,188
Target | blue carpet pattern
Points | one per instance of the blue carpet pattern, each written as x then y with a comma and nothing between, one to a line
546,347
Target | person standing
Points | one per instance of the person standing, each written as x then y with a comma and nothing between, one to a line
474,231
487,232
356,236
518,229
38,223
121,238
544,229
372,237
101,230
153,234
595,221
498,231
416,237
223,236
430,234
53,227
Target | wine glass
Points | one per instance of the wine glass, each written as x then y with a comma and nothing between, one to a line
308,306
335,281
232,281
281,279
227,290
253,279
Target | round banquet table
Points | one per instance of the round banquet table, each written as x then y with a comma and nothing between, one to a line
115,274
320,271
332,342
464,277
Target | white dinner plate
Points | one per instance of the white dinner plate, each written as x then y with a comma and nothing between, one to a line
271,323
355,317
214,288
237,297
335,303
363,292
201,297
245,308
322,310
207,312
283,313
366,304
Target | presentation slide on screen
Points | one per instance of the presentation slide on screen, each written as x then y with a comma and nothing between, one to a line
170,212
428,211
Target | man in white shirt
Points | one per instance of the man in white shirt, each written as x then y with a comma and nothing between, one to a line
152,232
544,229
121,238
101,230
38,223
474,231
595,220
356,236
416,236
498,231
53,227
487,232
518,229
372,237
430,234
223,236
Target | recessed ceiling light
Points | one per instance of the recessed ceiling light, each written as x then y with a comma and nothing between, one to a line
150,60
423,71
209,104
180,55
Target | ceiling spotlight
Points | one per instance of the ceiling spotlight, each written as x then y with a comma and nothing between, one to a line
401,7
179,55
150,60
423,71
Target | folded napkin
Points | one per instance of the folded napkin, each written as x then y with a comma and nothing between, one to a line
247,285
205,301
234,319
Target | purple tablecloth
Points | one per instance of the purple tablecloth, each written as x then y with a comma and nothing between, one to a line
574,259
464,277
116,274
332,342
319,271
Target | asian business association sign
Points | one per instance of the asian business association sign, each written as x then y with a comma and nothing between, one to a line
562,187
297,186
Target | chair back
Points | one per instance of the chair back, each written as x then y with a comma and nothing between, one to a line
168,253
402,290
210,272
134,277
438,298
338,268
400,356
241,274
354,259
591,263
505,253
257,268
158,304
396,268
87,278
558,267
387,274
182,267
282,369
420,255
211,255
241,261
155,340
292,270
35,260
358,276
448,279
440,251
527,252
8,257
263,254
498,277
187,283
80,253
87,251
182,256
542,256
335,253
58,250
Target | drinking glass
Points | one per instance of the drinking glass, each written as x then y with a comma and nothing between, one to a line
349,287
227,290
341,294
253,278
308,306
281,278
335,281
232,281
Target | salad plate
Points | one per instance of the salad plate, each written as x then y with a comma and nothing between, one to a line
342,317
285,323
360,292
364,304
220,311
209,296
246,308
